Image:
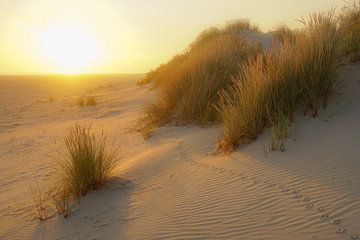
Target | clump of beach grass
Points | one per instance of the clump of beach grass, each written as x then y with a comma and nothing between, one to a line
87,101
349,28
91,101
154,116
300,72
39,199
283,33
188,85
88,163
279,132
61,197
81,101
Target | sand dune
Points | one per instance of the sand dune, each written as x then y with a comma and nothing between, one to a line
172,186
265,39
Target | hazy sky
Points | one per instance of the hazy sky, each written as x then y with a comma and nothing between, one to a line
42,36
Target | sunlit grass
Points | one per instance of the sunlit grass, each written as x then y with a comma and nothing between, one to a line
283,33
349,27
86,166
189,83
301,72
88,163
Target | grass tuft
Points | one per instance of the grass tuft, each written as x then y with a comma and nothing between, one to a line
279,133
61,198
39,199
91,101
301,71
86,101
81,101
189,83
349,27
88,164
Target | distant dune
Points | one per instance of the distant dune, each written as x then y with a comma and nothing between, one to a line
265,39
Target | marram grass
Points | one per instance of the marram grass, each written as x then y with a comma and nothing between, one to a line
349,28
299,72
221,77
88,163
188,85
39,199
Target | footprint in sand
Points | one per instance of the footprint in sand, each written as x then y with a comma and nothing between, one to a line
355,236
324,217
309,206
337,221
298,196
340,230
321,209
296,192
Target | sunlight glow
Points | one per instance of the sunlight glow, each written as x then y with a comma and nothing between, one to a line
123,36
70,48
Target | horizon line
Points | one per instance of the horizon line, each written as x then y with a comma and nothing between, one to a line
71,74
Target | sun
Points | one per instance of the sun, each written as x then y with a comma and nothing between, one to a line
68,48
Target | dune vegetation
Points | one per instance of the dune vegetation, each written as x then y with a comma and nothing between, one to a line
39,200
349,28
86,166
301,72
223,78
86,101
189,83
88,163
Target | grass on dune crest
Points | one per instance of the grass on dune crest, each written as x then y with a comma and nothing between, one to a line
88,163
283,32
233,27
349,27
188,84
300,72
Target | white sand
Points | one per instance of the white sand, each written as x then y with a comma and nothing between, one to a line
177,189
265,39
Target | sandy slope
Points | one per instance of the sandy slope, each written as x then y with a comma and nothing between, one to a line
177,189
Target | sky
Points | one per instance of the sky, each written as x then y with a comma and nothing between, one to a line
123,36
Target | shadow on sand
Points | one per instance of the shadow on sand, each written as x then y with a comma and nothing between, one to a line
103,211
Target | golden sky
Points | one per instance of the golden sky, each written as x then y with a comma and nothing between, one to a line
122,36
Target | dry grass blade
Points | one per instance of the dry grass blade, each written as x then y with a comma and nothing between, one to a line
61,199
39,201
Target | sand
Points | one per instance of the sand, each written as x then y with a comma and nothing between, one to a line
172,186
264,39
